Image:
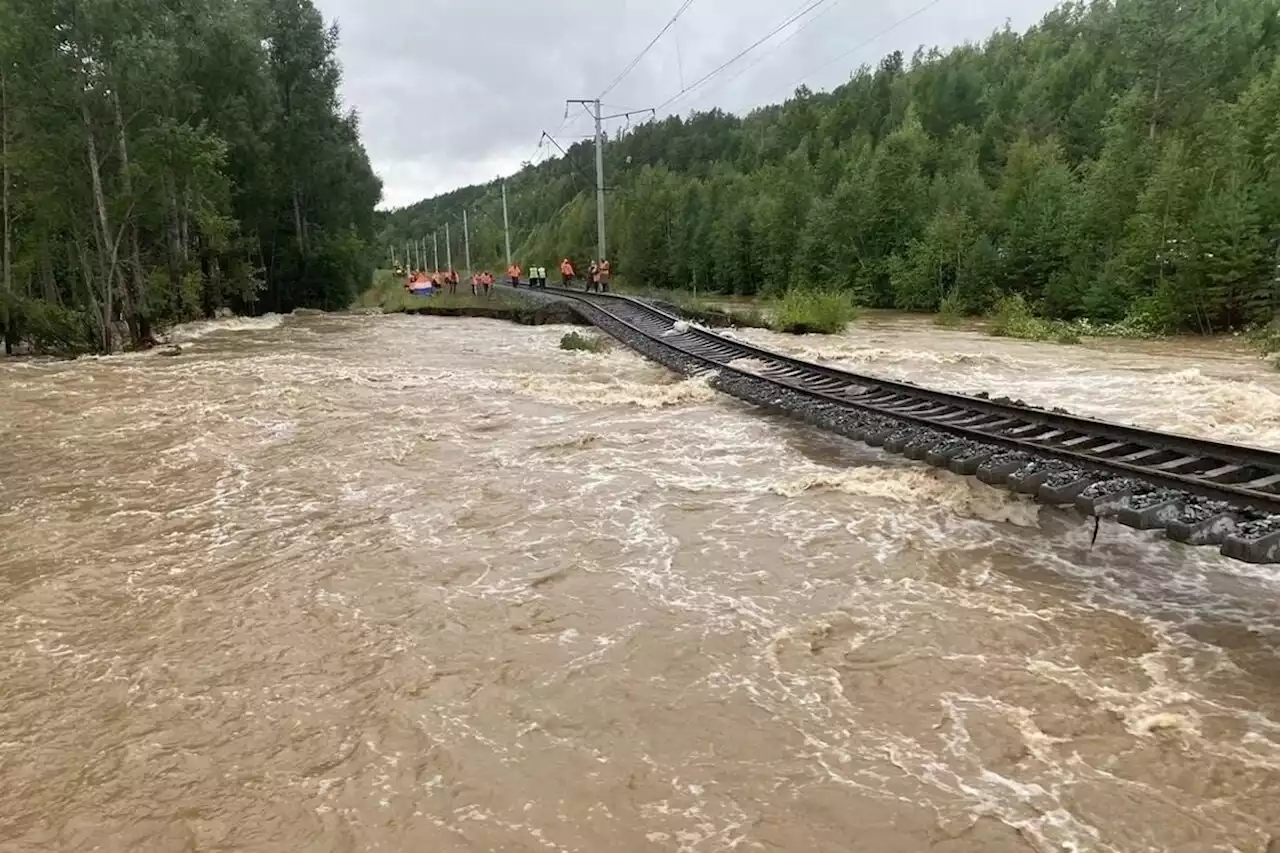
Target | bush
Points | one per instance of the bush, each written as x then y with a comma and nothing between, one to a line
585,343
802,311
46,327
1266,339
1013,318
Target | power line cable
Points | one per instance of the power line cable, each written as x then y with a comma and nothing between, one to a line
683,8
779,28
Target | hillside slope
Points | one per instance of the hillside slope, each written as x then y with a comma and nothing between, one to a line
1120,158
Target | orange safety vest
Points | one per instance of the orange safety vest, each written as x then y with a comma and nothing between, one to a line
605,271
566,269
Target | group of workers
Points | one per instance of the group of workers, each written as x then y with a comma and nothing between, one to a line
599,274
422,283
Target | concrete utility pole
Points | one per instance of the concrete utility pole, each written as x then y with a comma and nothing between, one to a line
466,239
448,248
506,224
435,249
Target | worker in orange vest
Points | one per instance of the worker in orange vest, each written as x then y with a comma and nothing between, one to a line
606,272
513,273
566,273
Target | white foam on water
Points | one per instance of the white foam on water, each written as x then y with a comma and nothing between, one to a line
612,391
194,331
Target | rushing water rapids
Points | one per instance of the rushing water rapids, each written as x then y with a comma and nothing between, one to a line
396,583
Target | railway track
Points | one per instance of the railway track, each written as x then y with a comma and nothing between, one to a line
1200,492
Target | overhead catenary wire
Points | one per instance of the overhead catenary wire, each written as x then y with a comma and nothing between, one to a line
860,45
779,28
631,65
569,159
770,52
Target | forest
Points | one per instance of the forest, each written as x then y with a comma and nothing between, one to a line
161,160
1118,162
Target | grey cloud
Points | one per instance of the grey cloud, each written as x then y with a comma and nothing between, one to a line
451,93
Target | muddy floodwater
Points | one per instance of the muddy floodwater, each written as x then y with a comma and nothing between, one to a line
419,584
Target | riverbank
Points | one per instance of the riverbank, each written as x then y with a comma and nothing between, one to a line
796,312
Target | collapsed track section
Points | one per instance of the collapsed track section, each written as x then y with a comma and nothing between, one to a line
1199,492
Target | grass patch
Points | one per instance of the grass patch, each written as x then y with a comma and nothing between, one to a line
576,342
803,312
950,315
1013,318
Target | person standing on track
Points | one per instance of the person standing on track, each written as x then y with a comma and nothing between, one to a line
606,274
513,275
542,277
593,277
566,274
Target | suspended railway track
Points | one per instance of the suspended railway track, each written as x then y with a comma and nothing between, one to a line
1200,492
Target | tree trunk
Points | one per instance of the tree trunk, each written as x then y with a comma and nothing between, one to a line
6,266
135,287
184,232
297,219
1155,107
109,246
48,281
175,245
78,252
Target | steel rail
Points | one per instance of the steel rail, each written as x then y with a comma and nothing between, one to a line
1245,478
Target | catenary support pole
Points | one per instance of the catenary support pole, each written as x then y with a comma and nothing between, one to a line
602,247
600,238
466,240
506,223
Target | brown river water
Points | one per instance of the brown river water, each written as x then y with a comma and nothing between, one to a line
335,583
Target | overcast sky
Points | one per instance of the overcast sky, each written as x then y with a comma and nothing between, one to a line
455,92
